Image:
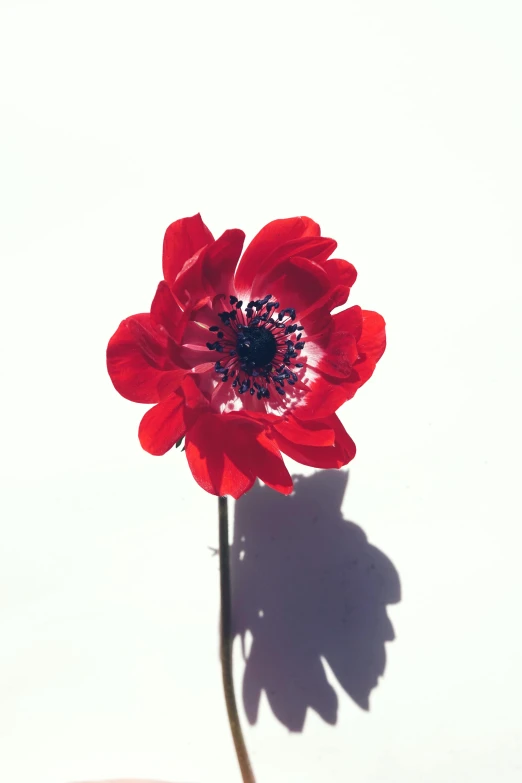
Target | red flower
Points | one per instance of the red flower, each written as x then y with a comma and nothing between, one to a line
245,360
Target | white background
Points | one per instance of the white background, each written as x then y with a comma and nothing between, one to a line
397,126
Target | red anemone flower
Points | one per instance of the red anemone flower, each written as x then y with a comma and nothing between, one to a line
243,357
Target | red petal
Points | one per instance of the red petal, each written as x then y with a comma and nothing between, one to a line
267,463
189,288
269,239
295,282
342,276
334,456
226,452
212,468
339,345
350,320
209,271
150,340
327,392
194,398
135,372
373,338
324,397
369,329
316,249
306,433
162,426
220,261
170,382
318,325
165,312
182,240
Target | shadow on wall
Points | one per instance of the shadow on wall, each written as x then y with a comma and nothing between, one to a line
308,586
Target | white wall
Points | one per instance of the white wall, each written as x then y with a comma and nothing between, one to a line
397,126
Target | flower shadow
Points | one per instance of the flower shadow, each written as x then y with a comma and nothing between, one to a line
308,587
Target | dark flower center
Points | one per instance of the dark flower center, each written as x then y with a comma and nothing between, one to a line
259,345
256,345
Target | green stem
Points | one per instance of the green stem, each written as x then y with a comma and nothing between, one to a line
226,645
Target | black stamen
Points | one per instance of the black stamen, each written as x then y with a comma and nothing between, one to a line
262,354
256,345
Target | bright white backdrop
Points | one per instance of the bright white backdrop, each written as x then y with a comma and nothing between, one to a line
397,126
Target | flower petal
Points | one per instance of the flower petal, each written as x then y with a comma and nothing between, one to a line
328,389
194,398
162,426
188,288
323,396
209,271
272,236
316,249
165,312
371,343
368,328
342,276
296,282
338,347
211,466
134,357
220,261
267,463
350,321
226,452
306,433
332,456
183,239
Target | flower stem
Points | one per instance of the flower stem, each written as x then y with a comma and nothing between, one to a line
226,645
